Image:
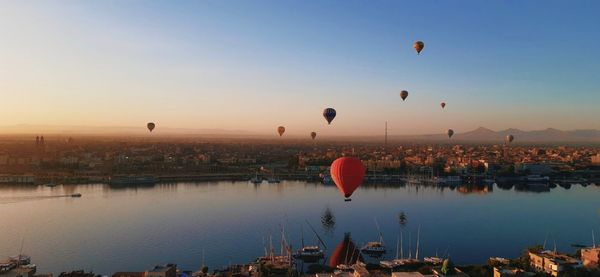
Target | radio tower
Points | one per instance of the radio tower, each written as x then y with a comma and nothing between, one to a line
386,135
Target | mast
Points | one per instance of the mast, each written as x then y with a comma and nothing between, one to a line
401,246
302,235
379,231
593,239
316,234
397,246
21,250
409,247
418,238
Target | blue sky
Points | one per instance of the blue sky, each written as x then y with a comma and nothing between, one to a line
255,65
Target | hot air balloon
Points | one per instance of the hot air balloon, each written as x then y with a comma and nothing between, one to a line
348,174
280,130
443,105
404,94
313,135
329,114
419,45
450,133
150,126
510,138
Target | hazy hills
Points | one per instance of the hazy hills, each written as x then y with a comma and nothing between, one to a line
549,135
481,134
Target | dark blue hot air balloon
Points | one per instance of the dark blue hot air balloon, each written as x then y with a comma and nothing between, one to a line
329,114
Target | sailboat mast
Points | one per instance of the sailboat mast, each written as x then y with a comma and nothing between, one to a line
409,246
302,235
593,239
397,246
418,239
401,246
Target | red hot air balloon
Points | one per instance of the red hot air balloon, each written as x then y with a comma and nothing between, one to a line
280,130
443,105
329,114
348,174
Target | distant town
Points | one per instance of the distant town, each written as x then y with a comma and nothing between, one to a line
47,160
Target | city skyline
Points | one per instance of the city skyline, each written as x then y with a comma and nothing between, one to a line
255,66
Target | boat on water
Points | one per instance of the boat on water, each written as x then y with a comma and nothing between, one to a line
433,260
310,253
537,179
20,260
76,195
273,180
122,180
256,179
375,248
51,185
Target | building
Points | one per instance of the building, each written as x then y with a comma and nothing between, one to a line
596,159
169,270
510,272
551,262
590,256
129,274
17,179
78,273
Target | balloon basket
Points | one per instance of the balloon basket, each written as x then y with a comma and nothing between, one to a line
347,200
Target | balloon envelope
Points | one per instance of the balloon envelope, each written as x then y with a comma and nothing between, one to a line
403,94
329,114
450,133
419,45
443,105
280,130
151,126
510,138
348,174
313,135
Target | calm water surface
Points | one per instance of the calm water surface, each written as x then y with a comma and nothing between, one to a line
132,229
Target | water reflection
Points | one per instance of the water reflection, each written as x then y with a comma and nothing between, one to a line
134,227
345,253
328,221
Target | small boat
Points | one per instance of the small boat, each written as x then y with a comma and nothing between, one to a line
311,253
256,180
273,180
76,195
51,185
433,260
375,248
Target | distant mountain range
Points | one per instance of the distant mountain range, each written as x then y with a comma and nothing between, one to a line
548,135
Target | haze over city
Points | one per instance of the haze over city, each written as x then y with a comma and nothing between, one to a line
251,66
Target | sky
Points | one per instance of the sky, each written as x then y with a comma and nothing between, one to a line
255,65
